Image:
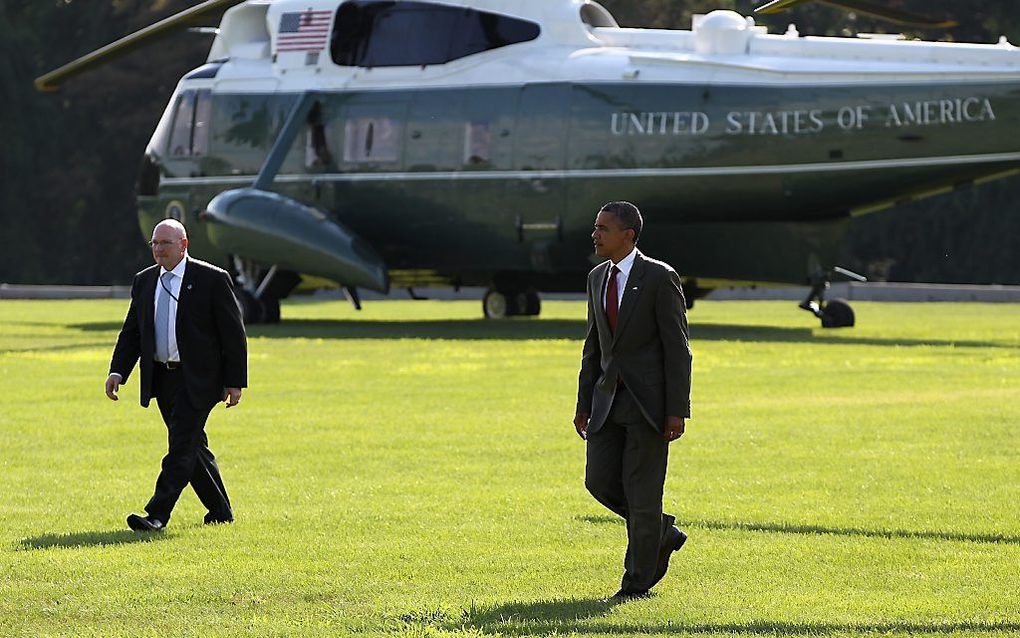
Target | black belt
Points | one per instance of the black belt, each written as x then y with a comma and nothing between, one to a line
169,365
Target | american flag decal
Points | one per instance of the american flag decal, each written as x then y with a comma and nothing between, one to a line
303,31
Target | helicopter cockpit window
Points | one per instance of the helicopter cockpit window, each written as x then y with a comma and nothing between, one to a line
189,136
200,130
180,134
375,33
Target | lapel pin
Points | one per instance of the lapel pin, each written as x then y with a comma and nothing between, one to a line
189,286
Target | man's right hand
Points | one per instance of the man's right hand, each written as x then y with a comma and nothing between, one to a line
112,385
581,424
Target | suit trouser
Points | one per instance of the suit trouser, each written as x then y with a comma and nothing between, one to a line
188,458
625,470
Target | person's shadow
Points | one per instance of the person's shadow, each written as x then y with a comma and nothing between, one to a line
552,616
565,616
90,539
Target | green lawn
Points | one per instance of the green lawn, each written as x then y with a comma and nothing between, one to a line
412,469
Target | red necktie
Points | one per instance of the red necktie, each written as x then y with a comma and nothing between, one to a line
612,300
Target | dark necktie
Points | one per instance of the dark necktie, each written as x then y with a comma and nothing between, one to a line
612,299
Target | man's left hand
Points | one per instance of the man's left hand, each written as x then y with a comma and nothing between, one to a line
233,397
674,428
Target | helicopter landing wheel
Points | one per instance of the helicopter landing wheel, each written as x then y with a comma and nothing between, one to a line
270,310
529,303
500,304
837,313
496,304
252,310
255,310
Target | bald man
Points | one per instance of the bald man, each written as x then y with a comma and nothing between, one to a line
185,327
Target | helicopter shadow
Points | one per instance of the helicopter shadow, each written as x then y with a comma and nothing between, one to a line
526,328
573,329
452,329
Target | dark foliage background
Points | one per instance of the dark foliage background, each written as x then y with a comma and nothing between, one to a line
69,160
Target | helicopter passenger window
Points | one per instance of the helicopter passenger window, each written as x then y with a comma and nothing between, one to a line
371,139
373,33
477,143
189,136
316,146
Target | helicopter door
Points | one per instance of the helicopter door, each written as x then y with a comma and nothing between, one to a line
433,143
486,128
537,191
371,130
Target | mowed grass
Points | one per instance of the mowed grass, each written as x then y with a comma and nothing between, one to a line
412,469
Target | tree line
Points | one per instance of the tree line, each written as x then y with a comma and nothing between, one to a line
70,159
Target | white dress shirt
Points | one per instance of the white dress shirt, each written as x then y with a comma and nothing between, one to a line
175,289
621,279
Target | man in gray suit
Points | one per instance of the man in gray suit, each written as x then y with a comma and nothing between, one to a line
633,391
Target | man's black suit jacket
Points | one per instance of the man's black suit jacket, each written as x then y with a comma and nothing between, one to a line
210,334
649,350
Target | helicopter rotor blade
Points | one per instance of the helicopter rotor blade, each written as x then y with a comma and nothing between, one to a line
866,7
778,6
192,17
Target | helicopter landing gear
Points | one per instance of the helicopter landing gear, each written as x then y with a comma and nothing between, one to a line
259,291
692,291
500,303
252,311
836,313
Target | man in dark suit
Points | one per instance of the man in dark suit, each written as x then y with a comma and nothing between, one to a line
633,391
185,327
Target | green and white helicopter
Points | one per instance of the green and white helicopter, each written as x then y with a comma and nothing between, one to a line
409,143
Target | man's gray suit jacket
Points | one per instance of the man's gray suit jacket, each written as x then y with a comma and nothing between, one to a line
649,352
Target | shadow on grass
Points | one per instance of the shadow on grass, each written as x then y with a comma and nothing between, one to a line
844,336
466,329
57,348
458,329
794,528
560,615
564,616
533,328
90,539
555,610
557,622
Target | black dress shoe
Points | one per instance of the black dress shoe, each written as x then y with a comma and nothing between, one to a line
218,520
630,594
675,539
144,523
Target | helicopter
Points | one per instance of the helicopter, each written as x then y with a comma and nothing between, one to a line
410,143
